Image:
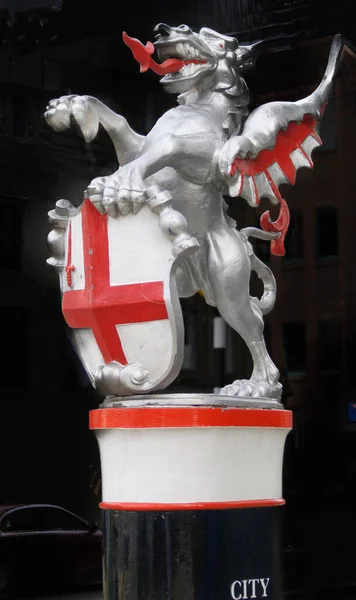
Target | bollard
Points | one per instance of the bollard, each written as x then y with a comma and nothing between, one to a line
192,484
192,499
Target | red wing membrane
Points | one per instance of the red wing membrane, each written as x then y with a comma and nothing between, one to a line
263,175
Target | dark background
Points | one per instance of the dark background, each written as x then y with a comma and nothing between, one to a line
51,48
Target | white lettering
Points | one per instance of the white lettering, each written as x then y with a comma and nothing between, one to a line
264,585
253,586
246,588
244,583
233,590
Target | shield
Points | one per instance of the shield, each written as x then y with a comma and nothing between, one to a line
119,294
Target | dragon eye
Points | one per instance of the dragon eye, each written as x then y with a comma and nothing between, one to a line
217,43
183,28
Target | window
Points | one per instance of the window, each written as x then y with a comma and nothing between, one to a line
267,334
19,5
19,116
21,520
295,237
294,348
10,232
57,520
329,345
328,127
2,111
263,250
326,232
230,360
14,360
189,361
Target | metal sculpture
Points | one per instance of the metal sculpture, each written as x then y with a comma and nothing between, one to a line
157,227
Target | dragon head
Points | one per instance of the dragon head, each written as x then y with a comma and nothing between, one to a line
202,53
204,60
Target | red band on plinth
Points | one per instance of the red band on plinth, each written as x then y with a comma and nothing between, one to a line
178,417
158,507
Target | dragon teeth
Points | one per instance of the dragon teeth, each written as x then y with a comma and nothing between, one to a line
186,51
180,49
188,69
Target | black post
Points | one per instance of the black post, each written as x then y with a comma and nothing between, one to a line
191,498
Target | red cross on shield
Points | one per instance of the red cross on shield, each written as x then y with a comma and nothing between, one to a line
115,313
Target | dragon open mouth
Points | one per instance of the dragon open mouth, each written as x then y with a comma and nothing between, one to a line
182,58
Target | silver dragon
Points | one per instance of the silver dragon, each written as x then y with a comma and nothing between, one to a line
207,147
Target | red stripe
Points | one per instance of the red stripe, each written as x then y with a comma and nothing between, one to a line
156,506
311,164
180,417
257,197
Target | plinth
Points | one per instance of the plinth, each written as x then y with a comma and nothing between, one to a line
191,497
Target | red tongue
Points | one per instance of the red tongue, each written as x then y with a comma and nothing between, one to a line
143,56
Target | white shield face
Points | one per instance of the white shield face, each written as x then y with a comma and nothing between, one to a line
120,298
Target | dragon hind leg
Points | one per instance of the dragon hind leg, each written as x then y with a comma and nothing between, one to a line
229,273
264,379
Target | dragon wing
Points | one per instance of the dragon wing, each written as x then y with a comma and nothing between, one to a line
277,139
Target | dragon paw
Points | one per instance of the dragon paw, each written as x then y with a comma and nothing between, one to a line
251,388
236,147
118,194
62,112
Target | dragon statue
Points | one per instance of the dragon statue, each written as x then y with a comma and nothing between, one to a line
207,147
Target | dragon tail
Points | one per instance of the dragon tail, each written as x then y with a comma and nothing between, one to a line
267,301
268,298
